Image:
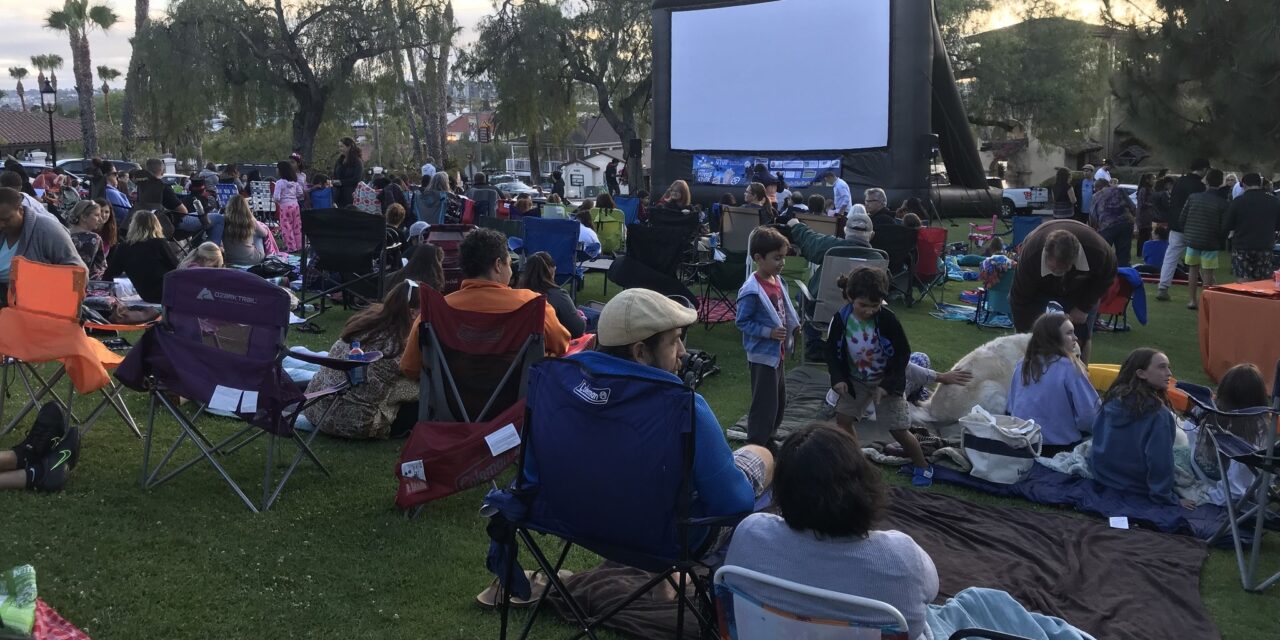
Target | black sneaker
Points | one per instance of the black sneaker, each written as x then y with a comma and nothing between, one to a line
66,453
50,425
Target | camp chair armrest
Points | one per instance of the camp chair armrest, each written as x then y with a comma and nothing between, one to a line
339,364
120,327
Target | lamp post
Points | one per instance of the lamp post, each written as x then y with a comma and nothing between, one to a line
49,102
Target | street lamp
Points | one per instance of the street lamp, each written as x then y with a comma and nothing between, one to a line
49,102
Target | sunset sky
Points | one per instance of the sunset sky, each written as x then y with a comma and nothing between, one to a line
25,34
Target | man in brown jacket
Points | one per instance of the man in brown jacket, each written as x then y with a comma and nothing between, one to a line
1067,262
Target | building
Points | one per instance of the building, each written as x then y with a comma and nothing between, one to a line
464,127
22,132
590,145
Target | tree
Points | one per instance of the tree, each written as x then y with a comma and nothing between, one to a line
1044,75
511,50
50,62
609,48
106,74
1202,78
308,48
957,20
133,77
18,73
76,18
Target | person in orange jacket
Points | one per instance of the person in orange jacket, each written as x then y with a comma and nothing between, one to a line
486,272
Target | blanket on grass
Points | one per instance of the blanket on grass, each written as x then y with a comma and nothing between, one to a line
1046,486
1110,583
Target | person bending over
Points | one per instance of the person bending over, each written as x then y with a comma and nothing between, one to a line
829,497
1051,387
1133,434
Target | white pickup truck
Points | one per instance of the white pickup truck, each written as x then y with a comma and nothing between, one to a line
1023,200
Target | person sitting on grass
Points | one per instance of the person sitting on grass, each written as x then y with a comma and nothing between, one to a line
1051,387
207,255
486,272
867,354
386,405
243,237
1133,435
145,257
45,457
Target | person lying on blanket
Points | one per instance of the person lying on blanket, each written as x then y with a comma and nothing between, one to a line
828,495
1133,434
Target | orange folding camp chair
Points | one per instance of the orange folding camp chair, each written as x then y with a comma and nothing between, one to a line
42,325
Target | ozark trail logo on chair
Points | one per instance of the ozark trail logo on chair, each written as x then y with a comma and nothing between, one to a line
205,294
594,396
219,296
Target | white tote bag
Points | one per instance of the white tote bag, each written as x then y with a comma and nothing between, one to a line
1002,448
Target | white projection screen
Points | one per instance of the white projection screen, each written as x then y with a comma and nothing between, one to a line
739,84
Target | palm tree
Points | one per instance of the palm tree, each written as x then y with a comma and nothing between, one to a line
76,18
106,74
18,73
133,79
48,62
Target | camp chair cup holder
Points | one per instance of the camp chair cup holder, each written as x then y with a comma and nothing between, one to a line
356,371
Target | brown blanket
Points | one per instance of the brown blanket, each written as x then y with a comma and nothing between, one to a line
1112,583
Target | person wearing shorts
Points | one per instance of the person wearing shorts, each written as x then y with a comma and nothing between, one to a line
867,356
1204,224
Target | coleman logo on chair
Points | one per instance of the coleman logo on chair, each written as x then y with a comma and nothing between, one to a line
594,396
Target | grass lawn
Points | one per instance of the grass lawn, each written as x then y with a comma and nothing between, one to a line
334,559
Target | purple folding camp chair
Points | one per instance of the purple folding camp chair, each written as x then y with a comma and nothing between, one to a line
221,346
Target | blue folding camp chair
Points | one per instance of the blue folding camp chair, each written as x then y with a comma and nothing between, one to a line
558,238
630,206
606,465
226,192
1246,437
994,301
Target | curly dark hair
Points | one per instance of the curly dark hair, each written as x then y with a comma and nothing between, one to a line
865,282
479,250
824,484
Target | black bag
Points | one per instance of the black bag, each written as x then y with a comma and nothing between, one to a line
271,268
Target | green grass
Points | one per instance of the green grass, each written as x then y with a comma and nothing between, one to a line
334,559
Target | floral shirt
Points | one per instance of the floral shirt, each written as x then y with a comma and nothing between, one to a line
89,246
867,357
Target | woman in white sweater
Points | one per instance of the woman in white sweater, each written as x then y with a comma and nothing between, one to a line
829,494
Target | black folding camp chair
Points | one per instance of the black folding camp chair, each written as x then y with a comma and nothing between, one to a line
1249,512
345,252
899,242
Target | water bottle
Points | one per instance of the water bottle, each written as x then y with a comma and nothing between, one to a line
356,375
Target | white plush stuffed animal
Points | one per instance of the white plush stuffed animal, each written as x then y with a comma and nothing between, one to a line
992,366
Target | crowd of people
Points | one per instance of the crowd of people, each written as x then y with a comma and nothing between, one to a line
828,495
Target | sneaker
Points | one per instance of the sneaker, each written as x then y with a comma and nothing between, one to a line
1162,295
47,475
66,453
922,477
50,425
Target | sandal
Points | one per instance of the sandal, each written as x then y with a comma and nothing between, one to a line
492,595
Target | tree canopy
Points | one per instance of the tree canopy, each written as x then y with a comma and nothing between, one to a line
1202,78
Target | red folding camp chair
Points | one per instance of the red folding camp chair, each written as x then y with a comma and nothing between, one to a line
1113,311
931,270
448,237
471,397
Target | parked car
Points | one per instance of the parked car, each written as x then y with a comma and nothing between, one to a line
1023,200
514,188
80,166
